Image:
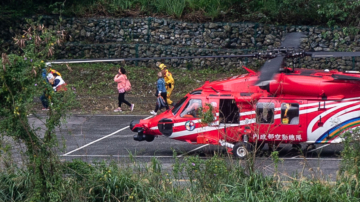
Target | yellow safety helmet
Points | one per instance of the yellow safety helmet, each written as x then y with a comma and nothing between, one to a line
162,66
53,71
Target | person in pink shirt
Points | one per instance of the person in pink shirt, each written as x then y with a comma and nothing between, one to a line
121,78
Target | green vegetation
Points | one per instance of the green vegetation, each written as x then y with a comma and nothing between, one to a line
20,82
98,79
41,176
96,90
341,12
192,179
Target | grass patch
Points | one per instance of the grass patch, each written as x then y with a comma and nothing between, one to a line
191,179
95,87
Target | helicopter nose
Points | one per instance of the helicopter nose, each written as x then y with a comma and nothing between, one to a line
133,124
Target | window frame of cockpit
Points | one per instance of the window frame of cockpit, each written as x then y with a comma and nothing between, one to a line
198,97
181,105
187,105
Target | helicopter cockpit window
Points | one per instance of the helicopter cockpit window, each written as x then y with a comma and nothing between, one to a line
178,105
290,113
265,113
196,92
191,109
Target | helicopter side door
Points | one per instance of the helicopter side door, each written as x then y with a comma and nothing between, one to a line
229,118
225,122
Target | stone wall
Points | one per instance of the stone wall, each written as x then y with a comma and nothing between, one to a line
207,35
151,37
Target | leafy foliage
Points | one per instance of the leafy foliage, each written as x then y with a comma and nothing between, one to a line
207,114
341,12
97,79
191,179
20,81
194,179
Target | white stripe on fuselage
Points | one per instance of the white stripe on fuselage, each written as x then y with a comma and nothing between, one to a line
176,124
201,130
252,120
333,120
246,122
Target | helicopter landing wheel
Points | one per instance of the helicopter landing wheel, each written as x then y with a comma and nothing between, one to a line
310,147
242,150
149,138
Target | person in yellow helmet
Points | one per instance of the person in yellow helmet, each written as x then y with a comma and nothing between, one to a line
53,71
50,70
169,81
48,76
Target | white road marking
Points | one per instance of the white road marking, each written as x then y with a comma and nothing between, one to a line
99,139
193,150
96,141
123,136
323,159
128,156
313,150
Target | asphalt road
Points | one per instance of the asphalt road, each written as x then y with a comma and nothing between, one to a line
97,138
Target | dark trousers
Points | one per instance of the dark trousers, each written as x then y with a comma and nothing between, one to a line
163,95
122,100
44,101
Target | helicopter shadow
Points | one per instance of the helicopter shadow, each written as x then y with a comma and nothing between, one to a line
284,151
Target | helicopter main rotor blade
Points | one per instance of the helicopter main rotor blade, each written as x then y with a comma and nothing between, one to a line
345,77
332,54
269,69
293,40
140,59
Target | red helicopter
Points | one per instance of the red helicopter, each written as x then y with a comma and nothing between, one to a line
276,105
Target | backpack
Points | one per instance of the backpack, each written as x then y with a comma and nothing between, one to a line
127,85
161,102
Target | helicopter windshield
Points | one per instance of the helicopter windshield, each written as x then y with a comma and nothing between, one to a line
192,109
178,105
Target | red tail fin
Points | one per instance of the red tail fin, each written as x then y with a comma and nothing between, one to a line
249,70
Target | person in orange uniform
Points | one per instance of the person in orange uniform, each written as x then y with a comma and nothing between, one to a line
169,81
